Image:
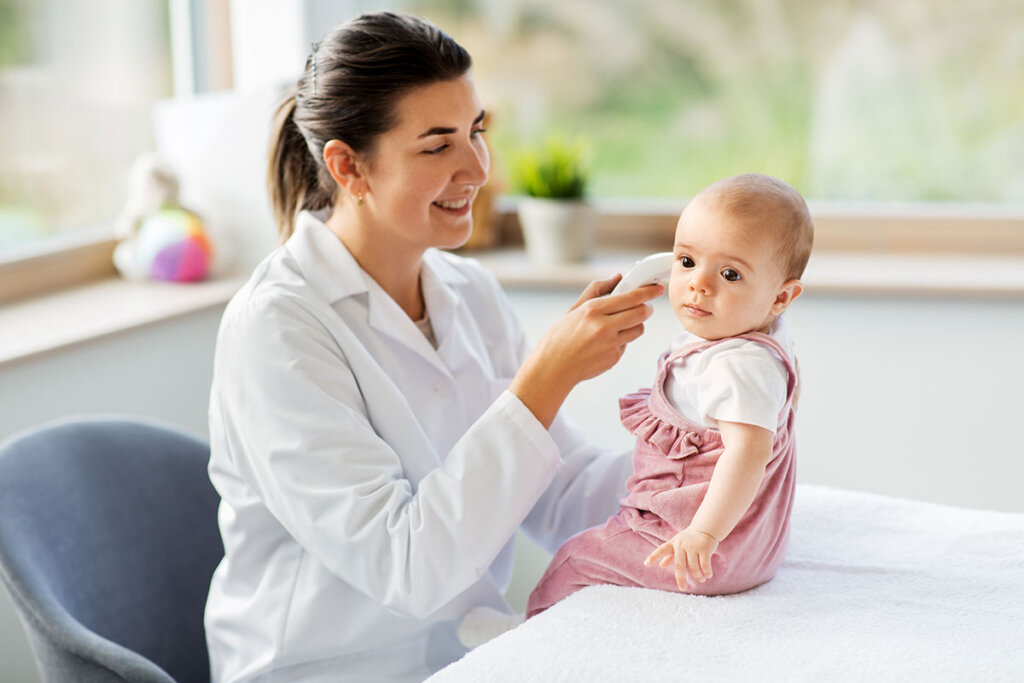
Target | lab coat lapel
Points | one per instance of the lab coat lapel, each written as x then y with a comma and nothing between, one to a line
387,318
332,271
454,328
437,278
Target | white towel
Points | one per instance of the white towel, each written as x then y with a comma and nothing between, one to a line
873,589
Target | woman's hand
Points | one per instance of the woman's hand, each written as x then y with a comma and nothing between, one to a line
692,550
583,343
592,336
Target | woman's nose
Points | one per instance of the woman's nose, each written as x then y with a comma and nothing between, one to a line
474,166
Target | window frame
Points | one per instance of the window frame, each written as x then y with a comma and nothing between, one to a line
201,62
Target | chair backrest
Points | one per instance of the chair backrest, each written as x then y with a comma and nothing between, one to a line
108,541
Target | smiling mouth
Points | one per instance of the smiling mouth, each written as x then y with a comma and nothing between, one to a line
453,204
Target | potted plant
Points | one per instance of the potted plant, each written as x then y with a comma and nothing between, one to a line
557,221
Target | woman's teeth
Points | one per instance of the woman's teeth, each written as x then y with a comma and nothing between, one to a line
453,204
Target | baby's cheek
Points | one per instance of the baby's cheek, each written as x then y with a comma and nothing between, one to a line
676,288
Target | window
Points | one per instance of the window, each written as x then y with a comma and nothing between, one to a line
917,100
860,104
77,85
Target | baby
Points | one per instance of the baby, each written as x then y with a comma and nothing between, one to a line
708,505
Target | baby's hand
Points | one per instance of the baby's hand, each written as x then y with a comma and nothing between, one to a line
692,550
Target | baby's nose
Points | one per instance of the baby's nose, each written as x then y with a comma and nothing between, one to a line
699,283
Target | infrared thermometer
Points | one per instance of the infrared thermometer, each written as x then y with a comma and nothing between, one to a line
650,270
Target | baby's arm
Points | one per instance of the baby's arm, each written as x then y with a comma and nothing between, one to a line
734,484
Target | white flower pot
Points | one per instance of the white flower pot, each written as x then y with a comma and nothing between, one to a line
557,230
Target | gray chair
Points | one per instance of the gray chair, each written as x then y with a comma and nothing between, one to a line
108,540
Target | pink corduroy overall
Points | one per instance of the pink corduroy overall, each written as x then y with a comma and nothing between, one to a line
672,465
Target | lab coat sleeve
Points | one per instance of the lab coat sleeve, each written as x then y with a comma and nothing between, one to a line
584,493
299,435
587,489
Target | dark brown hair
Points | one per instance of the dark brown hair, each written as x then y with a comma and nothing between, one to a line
348,91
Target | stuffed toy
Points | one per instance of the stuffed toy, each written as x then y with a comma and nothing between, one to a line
160,239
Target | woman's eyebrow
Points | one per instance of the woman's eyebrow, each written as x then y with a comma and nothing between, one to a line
441,130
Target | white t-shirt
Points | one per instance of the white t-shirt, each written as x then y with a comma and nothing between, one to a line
737,380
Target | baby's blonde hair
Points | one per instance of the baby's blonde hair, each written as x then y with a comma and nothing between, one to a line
764,203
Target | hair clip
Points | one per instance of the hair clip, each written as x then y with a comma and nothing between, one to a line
312,59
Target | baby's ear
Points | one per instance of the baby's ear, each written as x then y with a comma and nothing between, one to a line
788,293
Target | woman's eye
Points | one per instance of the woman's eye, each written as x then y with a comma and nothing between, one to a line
436,150
478,132
686,262
731,275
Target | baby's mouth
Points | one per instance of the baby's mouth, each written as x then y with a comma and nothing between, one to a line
696,310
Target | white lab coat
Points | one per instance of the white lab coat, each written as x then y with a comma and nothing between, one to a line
371,485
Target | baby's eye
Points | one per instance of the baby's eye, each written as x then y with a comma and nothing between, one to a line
731,275
686,262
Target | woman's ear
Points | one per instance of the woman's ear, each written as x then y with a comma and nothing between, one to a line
788,293
345,166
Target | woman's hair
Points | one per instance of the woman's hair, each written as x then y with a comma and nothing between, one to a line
348,91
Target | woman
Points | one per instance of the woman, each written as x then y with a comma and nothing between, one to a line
379,428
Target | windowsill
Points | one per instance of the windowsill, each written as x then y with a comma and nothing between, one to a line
846,273
49,323
60,320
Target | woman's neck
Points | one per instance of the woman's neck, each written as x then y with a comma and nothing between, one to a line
396,270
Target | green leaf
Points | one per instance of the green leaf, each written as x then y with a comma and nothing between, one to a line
554,170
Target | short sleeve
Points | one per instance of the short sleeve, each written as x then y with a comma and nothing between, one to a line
745,384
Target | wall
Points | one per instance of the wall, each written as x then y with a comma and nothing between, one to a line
907,397
161,371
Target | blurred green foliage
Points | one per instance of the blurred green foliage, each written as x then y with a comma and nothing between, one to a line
17,18
553,170
862,101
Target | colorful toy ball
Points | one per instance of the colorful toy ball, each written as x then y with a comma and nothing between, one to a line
172,246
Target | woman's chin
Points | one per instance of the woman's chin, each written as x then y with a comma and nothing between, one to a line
457,238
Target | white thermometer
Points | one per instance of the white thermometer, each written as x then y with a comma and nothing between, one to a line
649,270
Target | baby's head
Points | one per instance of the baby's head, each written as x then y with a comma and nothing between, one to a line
741,246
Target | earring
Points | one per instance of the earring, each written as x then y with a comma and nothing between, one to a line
359,199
